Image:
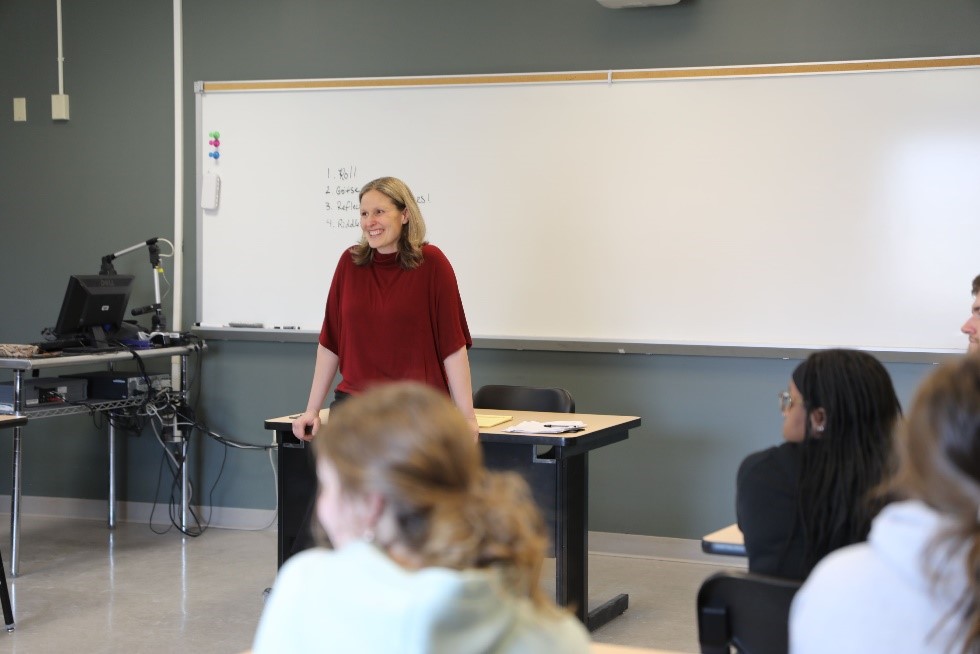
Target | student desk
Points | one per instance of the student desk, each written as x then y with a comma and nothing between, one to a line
724,541
104,360
555,465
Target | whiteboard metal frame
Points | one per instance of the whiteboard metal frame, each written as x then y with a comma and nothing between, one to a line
202,88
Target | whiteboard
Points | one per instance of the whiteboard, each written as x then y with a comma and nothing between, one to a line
770,209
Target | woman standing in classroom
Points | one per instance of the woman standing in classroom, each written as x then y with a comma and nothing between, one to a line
393,311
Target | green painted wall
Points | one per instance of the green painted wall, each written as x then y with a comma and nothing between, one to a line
71,192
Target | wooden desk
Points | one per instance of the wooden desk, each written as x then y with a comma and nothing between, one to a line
555,465
726,541
107,359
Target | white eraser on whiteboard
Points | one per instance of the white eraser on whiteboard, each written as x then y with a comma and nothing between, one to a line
210,191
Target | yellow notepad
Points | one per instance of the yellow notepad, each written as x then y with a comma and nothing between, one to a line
488,420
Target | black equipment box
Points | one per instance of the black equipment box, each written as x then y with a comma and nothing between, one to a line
40,391
116,385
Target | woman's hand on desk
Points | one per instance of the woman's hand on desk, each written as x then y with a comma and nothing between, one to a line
474,426
306,425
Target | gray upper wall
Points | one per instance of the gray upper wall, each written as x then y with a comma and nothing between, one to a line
71,192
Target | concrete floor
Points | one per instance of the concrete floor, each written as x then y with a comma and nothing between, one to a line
83,588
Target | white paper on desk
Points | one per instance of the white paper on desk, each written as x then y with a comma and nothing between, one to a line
550,427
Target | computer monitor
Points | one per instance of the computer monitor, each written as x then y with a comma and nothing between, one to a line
93,305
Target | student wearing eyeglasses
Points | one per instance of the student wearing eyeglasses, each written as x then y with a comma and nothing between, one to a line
797,501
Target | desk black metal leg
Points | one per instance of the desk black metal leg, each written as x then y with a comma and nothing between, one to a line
283,543
572,545
15,489
607,611
297,495
16,479
571,535
185,484
112,469
8,610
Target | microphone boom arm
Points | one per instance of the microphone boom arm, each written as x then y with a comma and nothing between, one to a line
159,321
108,269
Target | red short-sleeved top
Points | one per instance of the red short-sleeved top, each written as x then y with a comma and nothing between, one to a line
386,323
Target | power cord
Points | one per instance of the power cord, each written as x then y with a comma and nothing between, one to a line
166,412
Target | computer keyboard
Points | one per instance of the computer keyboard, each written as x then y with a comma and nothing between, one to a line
59,344
92,349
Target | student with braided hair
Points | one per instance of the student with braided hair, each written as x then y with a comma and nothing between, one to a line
433,552
914,587
811,495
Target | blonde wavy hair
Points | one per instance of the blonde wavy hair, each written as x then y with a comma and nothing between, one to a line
412,237
411,445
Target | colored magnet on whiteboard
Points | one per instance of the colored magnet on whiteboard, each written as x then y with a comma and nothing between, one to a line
214,135
214,155
214,143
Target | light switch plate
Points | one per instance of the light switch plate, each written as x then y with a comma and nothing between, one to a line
20,110
59,107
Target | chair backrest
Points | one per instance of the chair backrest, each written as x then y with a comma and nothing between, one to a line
524,398
745,610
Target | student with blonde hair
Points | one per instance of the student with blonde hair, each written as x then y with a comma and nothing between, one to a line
914,586
434,553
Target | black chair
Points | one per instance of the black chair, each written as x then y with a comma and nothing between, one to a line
749,612
532,463
524,398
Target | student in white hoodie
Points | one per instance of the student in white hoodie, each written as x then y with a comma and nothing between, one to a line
433,552
914,586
